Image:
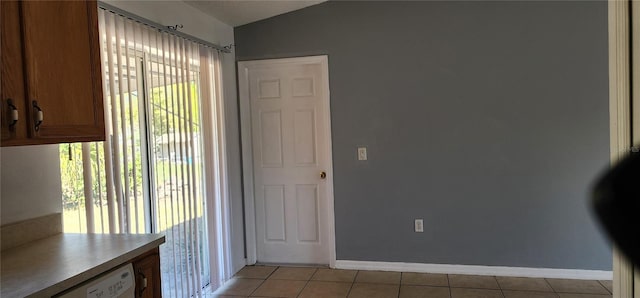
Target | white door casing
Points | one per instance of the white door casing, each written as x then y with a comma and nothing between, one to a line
620,118
635,45
635,112
286,139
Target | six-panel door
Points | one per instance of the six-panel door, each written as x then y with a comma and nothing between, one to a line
288,111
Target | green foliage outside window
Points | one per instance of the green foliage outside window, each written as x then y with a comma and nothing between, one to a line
167,123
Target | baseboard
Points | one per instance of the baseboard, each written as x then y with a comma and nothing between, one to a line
477,270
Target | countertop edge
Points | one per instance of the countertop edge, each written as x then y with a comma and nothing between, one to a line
97,270
87,272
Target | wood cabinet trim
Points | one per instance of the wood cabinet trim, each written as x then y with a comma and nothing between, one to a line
96,69
12,68
149,261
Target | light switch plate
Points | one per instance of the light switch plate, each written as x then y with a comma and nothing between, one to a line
362,153
419,225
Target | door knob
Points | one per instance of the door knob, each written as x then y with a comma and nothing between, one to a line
323,174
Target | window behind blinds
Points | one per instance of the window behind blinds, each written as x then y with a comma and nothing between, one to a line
162,168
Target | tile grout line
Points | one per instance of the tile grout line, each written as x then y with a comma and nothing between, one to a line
273,272
499,286
254,290
600,282
352,283
263,281
399,290
449,286
399,285
307,283
550,286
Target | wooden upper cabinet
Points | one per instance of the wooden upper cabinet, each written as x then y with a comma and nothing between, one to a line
12,93
61,72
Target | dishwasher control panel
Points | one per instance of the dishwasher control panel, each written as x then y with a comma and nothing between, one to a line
119,283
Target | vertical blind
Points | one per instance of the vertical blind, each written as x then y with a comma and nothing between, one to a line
162,167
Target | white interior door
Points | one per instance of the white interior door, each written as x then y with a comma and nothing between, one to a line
291,158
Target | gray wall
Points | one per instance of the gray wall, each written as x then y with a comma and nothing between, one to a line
487,119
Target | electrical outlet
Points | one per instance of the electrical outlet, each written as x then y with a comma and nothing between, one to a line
362,153
419,225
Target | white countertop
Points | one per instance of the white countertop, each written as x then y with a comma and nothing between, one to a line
48,266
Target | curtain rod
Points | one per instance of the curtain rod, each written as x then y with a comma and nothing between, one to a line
162,28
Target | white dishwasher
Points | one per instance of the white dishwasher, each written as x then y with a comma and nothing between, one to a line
118,283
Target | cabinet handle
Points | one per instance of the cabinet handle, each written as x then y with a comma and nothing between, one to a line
143,282
13,114
38,116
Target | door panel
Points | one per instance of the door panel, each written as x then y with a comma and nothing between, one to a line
274,213
303,87
271,138
305,138
290,149
307,203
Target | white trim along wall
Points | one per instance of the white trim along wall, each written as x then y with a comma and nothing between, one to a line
635,40
619,115
476,270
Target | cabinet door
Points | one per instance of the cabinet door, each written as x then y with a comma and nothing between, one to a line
12,87
62,62
147,271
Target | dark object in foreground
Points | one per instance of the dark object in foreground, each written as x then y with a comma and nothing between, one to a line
616,199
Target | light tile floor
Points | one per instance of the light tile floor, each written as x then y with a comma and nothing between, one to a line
274,281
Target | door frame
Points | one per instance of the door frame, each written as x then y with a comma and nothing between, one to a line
247,150
620,118
635,104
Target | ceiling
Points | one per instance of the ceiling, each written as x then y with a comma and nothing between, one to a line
240,12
